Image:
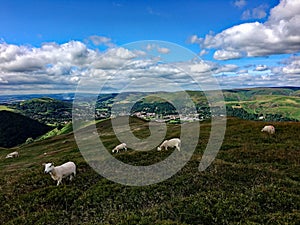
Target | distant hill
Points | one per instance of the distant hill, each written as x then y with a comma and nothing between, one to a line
270,103
45,110
273,104
16,128
283,101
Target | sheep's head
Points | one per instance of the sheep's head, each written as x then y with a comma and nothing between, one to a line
48,167
158,148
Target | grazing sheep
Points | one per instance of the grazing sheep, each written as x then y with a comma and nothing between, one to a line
59,172
269,129
119,147
12,155
174,142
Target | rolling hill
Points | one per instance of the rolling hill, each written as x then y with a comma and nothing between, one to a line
283,102
262,101
255,179
272,104
16,128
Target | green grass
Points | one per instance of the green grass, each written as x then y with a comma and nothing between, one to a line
288,106
255,179
283,101
4,107
66,129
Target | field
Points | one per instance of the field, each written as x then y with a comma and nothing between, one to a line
4,107
269,104
255,179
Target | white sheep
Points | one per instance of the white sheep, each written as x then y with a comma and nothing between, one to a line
59,172
12,155
174,142
119,147
269,129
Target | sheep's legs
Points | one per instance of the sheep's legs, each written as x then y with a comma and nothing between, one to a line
58,182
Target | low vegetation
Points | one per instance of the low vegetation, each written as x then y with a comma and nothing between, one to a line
255,179
16,129
45,110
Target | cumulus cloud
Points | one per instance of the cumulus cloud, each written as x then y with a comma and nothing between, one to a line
226,68
54,67
194,39
280,34
291,67
57,65
101,40
225,55
3,81
240,3
29,59
202,67
256,13
60,67
160,49
261,68
113,58
203,52
163,50
244,80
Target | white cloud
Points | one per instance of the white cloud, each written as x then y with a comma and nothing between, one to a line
160,49
202,67
225,55
256,13
9,52
59,67
194,39
101,40
24,58
240,3
203,52
292,67
226,68
113,58
246,14
3,81
163,50
259,12
280,34
261,68
150,47
286,10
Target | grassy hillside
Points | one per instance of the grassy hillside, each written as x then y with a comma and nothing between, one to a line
45,110
64,130
268,104
5,108
255,179
261,101
16,128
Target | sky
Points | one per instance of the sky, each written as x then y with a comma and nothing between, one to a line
54,46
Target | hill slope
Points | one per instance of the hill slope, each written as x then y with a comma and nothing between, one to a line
16,128
45,110
255,179
282,102
263,101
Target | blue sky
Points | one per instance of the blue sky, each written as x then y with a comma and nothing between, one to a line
34,22
49,46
